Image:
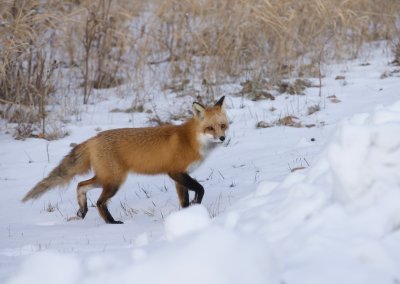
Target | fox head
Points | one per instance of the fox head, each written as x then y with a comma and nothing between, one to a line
213,122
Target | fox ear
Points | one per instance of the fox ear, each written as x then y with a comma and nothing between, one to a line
198,110
221,103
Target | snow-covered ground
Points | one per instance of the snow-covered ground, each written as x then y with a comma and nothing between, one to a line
281,205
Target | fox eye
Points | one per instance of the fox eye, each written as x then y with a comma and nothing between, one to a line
209,128
223,126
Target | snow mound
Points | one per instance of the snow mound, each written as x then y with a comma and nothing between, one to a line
49,268
364,156
341,217
214,256
186,221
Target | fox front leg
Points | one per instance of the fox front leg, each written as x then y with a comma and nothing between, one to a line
189,183
183,195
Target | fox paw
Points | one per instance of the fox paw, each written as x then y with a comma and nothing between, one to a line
194,202
115,222
81,213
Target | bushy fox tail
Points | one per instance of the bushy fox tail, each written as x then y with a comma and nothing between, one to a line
75,163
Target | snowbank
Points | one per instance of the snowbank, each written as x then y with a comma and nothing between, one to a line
47,268
338,222
215,255
364,156
187,221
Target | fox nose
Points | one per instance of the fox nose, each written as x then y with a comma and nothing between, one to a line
222,138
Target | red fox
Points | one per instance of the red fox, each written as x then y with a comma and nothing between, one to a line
170,149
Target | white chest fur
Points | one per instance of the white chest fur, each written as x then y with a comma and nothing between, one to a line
193,166
207,144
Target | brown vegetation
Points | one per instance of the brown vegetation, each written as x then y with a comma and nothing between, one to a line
104,43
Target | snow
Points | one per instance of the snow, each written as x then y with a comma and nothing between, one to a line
187,221
369,143
202,258
335,223
63,269
281,205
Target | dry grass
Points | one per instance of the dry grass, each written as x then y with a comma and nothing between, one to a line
192,44
26,60
98,39
39,38
274,38
396,52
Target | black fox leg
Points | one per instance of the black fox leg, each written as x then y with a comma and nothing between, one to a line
183,195
82,189
191,184
108,192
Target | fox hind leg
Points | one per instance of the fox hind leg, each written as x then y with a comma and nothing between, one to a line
82,189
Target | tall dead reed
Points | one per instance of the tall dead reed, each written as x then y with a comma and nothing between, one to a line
274,38
26,61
